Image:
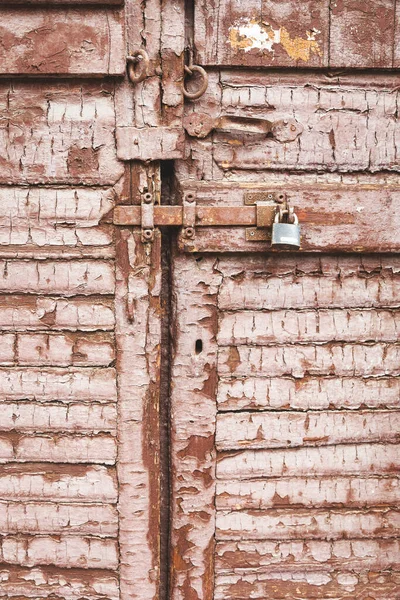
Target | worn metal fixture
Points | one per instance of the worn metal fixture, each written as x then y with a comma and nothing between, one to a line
202,78
286,230
138,65
147,217
261,213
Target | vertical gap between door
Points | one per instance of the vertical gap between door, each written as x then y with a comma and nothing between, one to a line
165,388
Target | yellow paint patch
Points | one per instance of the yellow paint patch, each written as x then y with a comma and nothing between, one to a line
299,48
252,34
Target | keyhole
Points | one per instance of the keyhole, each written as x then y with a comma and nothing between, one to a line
199,346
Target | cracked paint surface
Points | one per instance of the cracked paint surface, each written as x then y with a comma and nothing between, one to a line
248,34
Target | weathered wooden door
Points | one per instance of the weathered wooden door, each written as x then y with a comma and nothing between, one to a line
285,375
185,413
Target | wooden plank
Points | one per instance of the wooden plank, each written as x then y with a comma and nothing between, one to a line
67,349
289,326
50,518
151,143
55,41
362,35
58,133
68,278
317,492
304,282
138,338
298,360
263,33
22,313
61,448
48,582
285,585
46,384
55,216
312,555
362,459
66,551
346,128
193,409
315,393
293,429
46,417
295,524
46,482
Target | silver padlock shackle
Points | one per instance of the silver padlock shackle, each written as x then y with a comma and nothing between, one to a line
291,214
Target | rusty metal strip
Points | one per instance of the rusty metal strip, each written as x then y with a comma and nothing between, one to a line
206,216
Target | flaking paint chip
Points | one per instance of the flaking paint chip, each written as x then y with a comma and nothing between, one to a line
251,34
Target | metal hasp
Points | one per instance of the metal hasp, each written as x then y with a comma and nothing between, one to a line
257,215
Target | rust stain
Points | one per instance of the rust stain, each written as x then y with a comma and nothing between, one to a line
253,34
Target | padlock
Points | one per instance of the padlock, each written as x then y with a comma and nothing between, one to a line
286,236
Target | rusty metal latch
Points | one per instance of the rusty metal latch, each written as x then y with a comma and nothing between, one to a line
257,215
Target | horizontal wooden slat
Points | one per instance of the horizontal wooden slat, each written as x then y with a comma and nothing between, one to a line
54,349
263,33
312,555
58,133
265,393
290,429
58,583
67,349
288,326
45,384
360,460
306,34
289,524
308,584
68,278
299,360
45,417
303,282
50,217
50,518
56,41
345,129
21,313
57,483
99,448
65,551
357,492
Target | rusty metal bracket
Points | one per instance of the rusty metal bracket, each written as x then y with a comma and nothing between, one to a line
256,215
147,217
138,65
266,204
189,216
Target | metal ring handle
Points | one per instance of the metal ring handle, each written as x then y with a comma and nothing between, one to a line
196,69
140,59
